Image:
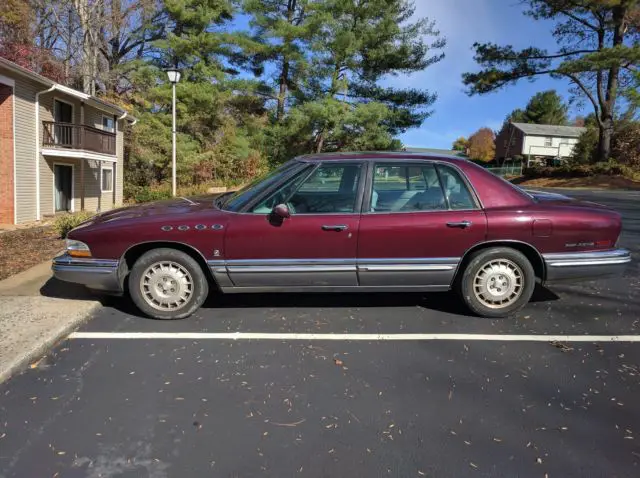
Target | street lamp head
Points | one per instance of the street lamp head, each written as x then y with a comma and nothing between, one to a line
173,74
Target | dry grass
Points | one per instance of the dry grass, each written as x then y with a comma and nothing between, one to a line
591,182
25,248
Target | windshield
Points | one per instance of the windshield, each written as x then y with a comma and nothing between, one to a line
236,201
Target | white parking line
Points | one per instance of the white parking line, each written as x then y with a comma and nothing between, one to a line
350,337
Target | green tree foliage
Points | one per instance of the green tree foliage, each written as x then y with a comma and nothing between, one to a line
546,107
597,52
284,30
219,121
625,144
349,47
302,76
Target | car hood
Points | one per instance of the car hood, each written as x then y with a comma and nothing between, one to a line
170,207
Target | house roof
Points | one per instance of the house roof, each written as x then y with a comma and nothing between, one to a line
550,130
95,101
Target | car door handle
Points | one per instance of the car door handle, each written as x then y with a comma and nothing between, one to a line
460,224
335,227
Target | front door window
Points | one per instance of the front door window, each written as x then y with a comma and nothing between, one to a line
329,189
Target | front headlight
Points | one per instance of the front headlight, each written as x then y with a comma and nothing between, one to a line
77,249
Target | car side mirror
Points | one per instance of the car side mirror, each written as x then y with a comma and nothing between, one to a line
281,211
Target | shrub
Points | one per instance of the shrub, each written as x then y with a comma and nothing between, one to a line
610,168
148,194
65,223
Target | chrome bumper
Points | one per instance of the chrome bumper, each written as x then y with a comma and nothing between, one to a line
100,274
575,266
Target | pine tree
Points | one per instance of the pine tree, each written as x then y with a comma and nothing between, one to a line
545,108
284,29
360,43
219,119
598,52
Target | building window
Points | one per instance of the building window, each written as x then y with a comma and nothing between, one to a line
564,141
107,180
108,124
548,142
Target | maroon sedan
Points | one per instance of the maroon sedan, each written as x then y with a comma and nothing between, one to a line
348,223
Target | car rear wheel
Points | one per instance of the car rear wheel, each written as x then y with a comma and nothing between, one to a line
167,284
497,282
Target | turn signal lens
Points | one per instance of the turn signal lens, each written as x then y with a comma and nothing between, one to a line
77,249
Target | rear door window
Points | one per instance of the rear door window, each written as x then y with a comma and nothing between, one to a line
406,187
456,190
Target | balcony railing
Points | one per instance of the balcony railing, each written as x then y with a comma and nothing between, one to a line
74,136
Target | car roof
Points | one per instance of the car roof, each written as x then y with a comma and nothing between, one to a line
368,155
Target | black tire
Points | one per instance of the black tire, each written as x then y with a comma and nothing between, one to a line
192,293
466,285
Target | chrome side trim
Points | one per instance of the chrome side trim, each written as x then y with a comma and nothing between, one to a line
292,268
303,289
405,267
574,266
66,259
331,265
286,262
609,257
411,260
101,274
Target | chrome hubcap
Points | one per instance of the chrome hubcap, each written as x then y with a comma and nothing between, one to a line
498,283
166,285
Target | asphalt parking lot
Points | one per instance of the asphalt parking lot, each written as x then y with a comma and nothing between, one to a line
342,405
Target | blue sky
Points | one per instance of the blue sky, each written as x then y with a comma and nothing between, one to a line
464,22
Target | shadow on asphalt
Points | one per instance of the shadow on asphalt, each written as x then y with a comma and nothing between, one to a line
447,302
66,290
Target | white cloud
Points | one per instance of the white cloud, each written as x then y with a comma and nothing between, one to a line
453,18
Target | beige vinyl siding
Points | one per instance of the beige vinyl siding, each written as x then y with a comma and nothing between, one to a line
25,153
93,116
46,106
24,95
94,198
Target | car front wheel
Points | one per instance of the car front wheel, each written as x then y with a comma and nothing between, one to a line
497,282
167,284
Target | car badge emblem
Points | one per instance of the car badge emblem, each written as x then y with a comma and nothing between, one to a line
217,226
167,228
183,228
200,227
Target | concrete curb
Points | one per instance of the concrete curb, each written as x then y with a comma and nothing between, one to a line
54,336
31,323
34,273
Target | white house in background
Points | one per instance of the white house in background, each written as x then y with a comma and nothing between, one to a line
537,142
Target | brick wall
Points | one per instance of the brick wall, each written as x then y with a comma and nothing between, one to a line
6,155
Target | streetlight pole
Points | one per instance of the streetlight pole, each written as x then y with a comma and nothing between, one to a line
174,78
173,142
